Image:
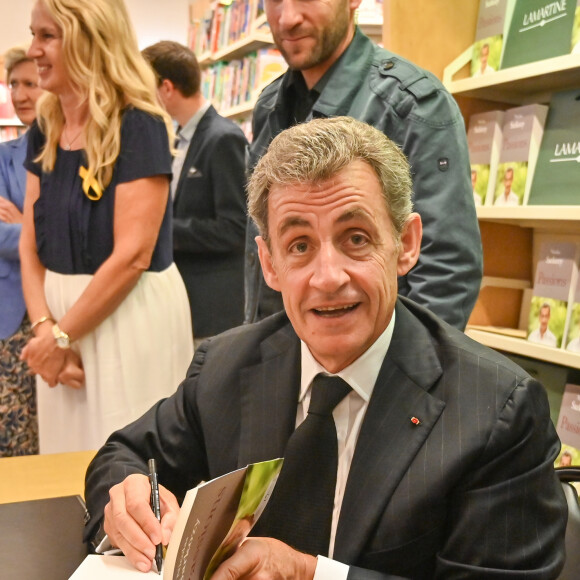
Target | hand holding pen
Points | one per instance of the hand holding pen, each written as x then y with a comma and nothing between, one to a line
156,507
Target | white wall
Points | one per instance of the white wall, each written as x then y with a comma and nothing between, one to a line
153,20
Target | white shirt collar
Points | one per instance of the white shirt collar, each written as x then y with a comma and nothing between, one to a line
186,132
361,375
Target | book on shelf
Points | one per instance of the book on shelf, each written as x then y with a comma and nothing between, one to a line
568,427
484,137
573,329
10,132
215,517
502,330
521,137
196,36
489,34
557,175
538,29
575,45
270,64
554,283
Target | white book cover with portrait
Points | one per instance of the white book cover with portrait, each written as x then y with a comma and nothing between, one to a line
555,275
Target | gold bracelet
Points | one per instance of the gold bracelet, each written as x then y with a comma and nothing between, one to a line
40,321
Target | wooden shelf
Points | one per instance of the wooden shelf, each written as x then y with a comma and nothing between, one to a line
560,218
10,123
498,282
524,348
239,49
240,110
246,108
528,83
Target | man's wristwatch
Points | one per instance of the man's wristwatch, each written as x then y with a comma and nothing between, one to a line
62,338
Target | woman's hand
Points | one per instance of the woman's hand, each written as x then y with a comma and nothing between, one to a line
45,358
72,373
9,213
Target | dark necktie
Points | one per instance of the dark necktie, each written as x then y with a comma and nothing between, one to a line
299,512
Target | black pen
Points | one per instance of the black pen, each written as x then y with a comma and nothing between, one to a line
156,507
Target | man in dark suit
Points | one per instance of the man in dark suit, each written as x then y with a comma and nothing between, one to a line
209,202
445,447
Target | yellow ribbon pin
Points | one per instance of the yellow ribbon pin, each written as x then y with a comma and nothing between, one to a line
90,184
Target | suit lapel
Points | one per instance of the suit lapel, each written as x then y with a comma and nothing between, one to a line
195,146
269,398
389,439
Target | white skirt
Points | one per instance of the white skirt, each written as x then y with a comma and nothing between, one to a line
135,357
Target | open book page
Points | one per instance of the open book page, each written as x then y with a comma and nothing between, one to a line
258,486
215,517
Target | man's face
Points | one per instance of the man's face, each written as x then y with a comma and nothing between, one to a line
310,33
544,318
508,180
334,258
483,55
24,89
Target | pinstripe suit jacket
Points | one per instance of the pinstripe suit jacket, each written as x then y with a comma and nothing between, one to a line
470,492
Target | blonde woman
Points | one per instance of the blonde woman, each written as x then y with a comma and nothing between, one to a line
111,316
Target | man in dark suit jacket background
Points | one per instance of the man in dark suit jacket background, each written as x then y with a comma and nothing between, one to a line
209,201
446,448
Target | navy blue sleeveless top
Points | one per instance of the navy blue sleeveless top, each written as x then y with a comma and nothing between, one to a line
74,235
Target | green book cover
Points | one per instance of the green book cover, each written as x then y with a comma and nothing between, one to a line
538,29
557,174
576,31
573,335
489,35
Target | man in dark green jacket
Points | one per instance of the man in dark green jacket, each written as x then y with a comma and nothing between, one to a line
334,69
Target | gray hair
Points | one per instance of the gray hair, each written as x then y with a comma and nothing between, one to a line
315,151
13,57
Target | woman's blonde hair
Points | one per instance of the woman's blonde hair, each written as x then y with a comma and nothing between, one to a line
101,55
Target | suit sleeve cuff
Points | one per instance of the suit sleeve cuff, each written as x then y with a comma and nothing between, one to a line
327,569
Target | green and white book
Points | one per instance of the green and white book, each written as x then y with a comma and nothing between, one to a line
538,29
575,47
556,179
521,138
489,34
484,143
554,280
572,341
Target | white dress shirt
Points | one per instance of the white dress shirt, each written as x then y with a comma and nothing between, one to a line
183,138
348,415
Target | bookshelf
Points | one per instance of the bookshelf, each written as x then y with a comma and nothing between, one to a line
502,306
10,129
510,236
256,36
